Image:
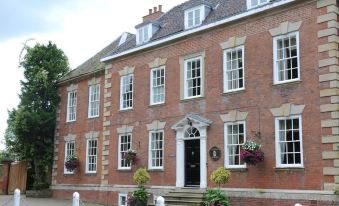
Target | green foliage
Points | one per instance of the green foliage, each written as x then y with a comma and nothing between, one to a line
336,191
215,197
220,176
6,156
141,176
30,131
140,194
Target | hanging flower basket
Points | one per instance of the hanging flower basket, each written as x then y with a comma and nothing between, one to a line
131,156
251,153
72,163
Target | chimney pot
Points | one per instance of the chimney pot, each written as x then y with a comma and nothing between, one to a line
155,9
160,8
150,11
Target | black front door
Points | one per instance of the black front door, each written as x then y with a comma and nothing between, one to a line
192,162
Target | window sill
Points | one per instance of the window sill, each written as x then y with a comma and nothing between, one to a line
125,110
289,169
91,174
287,83
70,122
192,99
95,117
156,105
237,169
155,170
68,174
233,92
124,170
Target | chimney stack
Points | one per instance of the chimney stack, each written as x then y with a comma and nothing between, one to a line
153,14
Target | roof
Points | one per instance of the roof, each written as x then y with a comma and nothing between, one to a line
94,64
172,22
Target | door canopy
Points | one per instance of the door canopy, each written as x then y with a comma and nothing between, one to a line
192,121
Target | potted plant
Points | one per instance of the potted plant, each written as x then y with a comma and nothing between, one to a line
215,197
131,156
251,153
139,197
72,163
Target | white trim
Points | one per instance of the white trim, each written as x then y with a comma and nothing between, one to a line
65,155
226,163
96,159
226,90
121,91
119,199
201,28
148,28
201,77
201,17
90,90
249,4
68,106
275,67
151,85
277,146
119,152
150,166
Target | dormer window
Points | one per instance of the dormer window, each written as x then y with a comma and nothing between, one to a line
255,3
144,34
195,16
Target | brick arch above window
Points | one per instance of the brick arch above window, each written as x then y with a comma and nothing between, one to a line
285,28
126,71
157,63
92,135
124,129
234,116
70,137
156,125
94,81
287,110
72,87
233,42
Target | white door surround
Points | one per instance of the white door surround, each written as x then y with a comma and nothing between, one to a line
200,123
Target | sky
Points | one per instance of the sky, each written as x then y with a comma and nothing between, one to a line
80,28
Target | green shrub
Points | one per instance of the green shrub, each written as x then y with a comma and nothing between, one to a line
220,176
141,177
140,194
215,197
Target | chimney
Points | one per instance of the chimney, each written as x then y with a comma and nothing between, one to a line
153,14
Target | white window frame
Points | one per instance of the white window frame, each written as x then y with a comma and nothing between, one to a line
260,3
120,167
277,145
152,102
122,92
275,57
201,9
67,143
227,164
91,101
150,166
119,200
87,156
226,89
141,37
185,77
69,106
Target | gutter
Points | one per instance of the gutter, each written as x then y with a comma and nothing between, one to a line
80,76
198,29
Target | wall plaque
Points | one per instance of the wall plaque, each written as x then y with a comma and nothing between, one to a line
215,153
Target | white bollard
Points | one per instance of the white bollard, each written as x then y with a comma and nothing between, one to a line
160,201
297,204
16,201
76,199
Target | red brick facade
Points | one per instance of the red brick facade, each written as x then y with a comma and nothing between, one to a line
258,98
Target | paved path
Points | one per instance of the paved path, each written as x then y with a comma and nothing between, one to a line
6,200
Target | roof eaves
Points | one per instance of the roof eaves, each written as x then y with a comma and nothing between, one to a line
199,29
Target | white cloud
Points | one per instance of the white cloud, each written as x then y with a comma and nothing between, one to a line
83,28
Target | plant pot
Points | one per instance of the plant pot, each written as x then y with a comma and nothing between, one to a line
138,203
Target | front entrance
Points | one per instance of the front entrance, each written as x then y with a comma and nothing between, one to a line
192,163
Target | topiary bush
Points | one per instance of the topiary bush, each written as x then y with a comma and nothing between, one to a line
141,177
220,176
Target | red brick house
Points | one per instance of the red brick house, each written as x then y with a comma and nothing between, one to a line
209,74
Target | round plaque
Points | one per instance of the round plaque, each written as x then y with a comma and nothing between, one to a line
215,153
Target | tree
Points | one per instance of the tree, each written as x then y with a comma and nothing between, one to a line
30,131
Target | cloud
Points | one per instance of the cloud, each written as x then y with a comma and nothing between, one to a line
20,18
